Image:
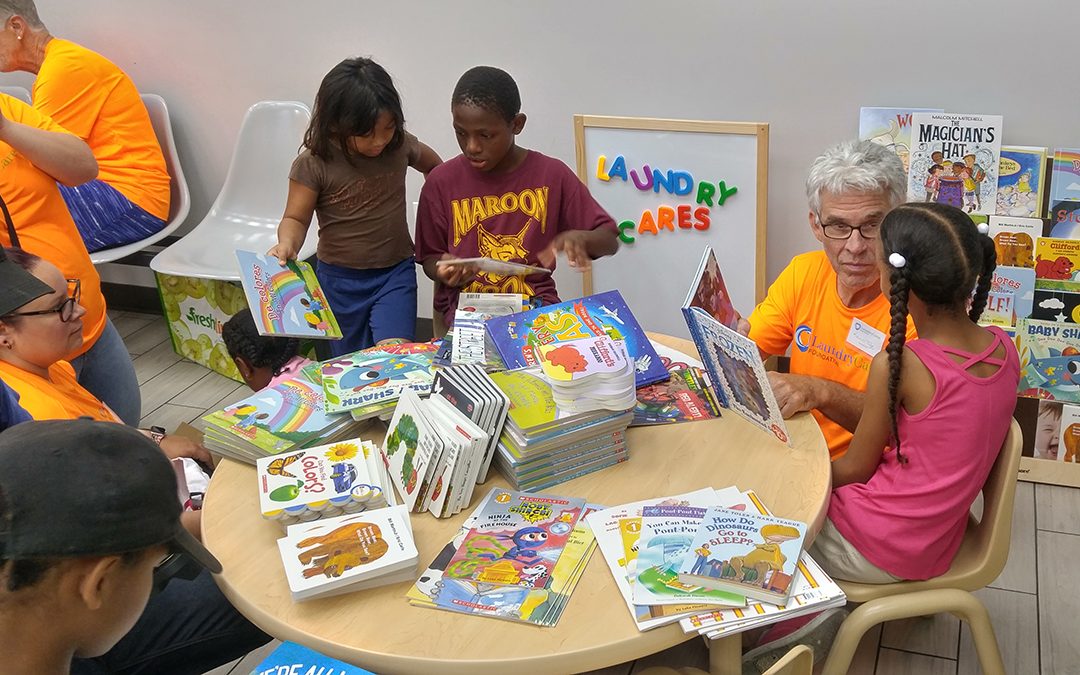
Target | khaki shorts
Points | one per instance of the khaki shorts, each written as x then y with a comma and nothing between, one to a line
841,560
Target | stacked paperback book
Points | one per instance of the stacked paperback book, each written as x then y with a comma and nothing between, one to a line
287,416
590,374
369,382
518,557
349,553
542,445
699,556
322,482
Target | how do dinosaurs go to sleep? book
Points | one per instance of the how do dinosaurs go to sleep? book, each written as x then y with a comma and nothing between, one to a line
286,300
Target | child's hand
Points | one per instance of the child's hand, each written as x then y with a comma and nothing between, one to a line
455,276
574,245
284,252
178,446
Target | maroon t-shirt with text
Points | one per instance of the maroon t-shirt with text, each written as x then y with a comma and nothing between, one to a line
513,217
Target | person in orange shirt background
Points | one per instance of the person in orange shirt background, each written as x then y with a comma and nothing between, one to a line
35,154
827,305
92,98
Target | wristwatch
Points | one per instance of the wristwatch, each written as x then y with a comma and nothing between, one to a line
158,434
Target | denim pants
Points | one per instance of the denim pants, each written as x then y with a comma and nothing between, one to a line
106,371
187,629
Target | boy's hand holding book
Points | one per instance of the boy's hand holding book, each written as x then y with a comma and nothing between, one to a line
455,275
574,244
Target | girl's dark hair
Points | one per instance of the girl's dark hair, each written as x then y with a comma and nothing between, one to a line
489,88
348,103
261,351
946,257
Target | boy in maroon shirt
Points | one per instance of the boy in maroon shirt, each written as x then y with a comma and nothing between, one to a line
499,200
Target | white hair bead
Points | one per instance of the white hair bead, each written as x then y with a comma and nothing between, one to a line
896,260
983,228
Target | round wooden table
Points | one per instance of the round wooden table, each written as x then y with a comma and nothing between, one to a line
379,630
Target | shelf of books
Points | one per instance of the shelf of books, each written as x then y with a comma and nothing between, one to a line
1030,199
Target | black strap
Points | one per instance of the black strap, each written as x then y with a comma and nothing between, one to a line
12,234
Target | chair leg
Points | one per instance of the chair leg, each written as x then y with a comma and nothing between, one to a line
962,604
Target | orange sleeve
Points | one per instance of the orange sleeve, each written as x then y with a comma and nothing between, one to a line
772,322
17,111
69,92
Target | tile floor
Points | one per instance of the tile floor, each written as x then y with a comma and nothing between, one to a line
1029,603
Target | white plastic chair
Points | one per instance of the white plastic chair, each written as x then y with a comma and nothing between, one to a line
179,196
247,211
17,92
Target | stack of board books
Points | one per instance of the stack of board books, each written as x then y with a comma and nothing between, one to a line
469,389
434,454
542,445
322,482
286,416
647,544
687,396
368,383
349,553
593,373
518,557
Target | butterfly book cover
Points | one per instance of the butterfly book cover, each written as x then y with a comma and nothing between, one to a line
316,478
286,300
517,539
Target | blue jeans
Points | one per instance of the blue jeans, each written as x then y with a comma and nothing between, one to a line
106,371
370,305
187,629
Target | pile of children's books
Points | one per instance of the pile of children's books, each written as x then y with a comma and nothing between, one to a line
704,553
541,445
518,557
349,553
369,382
322,482
686,397
593,373
434,454
467,340
286,416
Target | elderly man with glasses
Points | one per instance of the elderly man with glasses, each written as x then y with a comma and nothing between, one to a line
827,305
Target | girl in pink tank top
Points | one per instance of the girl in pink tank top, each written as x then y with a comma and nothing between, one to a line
940,405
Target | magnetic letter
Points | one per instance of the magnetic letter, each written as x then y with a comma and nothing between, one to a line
682,182
702,215
600,173
684,216
624,237
647,223
725,192
648,176
704,193
618,168
665,218
661,179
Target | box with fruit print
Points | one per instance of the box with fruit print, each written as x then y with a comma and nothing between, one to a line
196,309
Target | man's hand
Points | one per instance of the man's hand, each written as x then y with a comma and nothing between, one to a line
178,446
574,245
794,393
456,275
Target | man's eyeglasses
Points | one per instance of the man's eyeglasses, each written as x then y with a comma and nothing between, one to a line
868,231
66,309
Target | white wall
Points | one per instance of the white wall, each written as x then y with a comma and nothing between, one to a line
804,67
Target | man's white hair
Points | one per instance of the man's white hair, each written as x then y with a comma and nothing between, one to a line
856,166
24,8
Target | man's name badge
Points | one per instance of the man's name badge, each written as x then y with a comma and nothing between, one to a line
865,338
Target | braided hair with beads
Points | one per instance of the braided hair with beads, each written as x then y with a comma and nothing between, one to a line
938,253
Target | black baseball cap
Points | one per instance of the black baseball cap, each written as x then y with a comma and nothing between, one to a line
76,488
17,286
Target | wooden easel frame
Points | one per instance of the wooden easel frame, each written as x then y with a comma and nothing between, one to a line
758,129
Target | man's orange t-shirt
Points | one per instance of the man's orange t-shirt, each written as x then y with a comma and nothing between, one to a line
60,397
42,220
803,310
92,98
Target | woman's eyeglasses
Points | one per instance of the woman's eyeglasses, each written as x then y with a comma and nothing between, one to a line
66,309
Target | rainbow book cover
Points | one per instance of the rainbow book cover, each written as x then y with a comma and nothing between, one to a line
278,417
517,337
517,539
286,300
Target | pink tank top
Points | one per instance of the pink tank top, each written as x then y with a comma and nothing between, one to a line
909,519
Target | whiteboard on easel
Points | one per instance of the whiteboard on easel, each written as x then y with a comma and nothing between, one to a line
673,187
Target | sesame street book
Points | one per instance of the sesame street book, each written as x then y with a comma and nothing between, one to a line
516,338
364,378
334,555
743,552
290,658
733,363
517,539
955,160
1049,360
327,479
286,300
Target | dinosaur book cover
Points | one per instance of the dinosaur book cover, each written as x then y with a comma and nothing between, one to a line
1049,359
746,553
334,553
285,300
517,539
516,338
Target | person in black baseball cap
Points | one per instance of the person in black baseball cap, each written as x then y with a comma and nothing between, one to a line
87,511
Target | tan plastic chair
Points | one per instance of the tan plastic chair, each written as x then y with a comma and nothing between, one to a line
979,561
798,661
